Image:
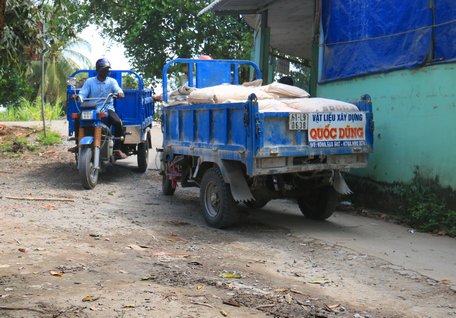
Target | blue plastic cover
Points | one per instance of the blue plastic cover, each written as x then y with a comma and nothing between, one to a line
445,30
371,36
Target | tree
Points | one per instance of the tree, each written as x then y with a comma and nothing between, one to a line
156,31
19,34
22,43
2,15
64,20
60,62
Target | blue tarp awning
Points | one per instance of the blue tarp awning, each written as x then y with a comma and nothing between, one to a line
372,36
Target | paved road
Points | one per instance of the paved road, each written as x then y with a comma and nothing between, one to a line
429,255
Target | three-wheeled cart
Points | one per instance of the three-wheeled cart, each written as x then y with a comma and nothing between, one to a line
136,111
235,153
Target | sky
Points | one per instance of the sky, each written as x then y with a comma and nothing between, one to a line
102,47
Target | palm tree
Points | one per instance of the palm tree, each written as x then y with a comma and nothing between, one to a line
60,61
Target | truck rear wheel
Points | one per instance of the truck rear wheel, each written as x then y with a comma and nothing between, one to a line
219,208
321,205
143,155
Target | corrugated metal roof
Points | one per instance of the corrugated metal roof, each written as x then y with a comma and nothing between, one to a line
291,21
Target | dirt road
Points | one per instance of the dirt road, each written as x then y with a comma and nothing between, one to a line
125,250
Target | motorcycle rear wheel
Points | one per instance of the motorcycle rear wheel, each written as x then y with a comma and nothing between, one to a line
87,172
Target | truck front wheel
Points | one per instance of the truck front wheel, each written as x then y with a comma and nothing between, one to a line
321,205
219,208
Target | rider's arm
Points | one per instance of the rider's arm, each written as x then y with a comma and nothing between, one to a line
117,90
85,90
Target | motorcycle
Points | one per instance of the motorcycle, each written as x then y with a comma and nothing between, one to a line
95,140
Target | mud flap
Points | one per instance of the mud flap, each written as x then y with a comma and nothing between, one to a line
338,183
239,187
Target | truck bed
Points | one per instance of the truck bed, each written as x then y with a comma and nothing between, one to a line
264,142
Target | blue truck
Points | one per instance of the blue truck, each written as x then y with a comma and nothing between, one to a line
237,154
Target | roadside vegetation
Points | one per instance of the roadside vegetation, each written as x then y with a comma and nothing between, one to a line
14,141
31,110
424,206
423,203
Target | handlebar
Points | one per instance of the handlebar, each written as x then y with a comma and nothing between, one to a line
110,95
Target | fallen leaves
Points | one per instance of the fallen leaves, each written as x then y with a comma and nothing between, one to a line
178,254
332,308
56,274
320,281
90,298
233,275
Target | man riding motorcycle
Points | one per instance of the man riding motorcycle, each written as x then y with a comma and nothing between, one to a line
100,86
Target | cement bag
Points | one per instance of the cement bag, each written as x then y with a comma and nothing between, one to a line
268,106
202,96
179,96
285,91
222,93
255,83
316,104
274,105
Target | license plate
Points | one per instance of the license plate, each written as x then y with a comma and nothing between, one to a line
297,121
86,115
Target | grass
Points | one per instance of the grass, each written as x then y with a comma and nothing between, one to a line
423,207
16,145
31,110
17,142
51,138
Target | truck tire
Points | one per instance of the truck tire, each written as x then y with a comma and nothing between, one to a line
321,205
88,174
167,186
143,156
219,208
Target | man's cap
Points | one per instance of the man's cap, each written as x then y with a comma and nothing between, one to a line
102,63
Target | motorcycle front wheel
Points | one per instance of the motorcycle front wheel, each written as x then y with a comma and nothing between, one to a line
87,172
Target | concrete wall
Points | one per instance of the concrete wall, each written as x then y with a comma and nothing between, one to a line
415,121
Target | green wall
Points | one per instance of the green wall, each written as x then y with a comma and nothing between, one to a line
415,121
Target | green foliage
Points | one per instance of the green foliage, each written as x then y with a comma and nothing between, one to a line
64,19
18,36
22,42
51,138
13,86
20,32
156,31
32,111
129,81
423,208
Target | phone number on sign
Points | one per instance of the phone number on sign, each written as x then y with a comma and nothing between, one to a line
331,144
